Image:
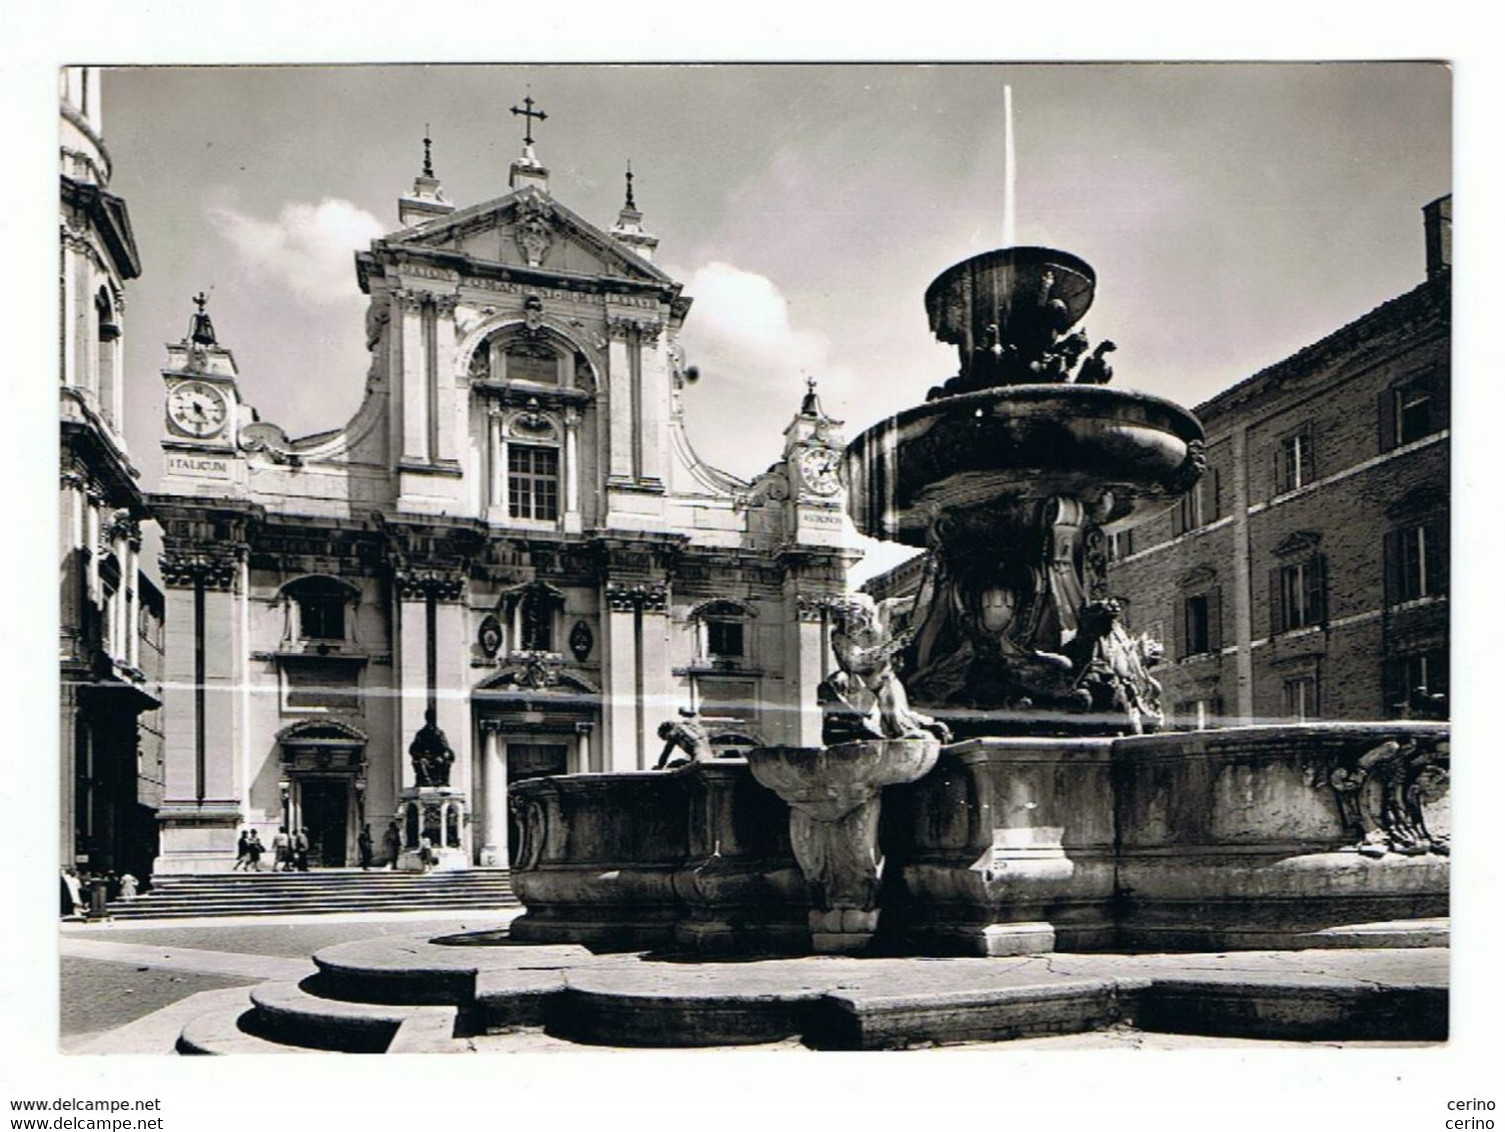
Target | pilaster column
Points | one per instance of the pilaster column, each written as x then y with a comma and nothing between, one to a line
133,608
408,314
622,410
572,469
584,761
656,692
442,359
806,668
495,460
653,404
95,501
494,851
621,707
116,645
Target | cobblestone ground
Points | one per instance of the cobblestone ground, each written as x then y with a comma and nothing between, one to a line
97,996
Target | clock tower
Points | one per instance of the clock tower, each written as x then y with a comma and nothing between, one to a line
203,409
813,446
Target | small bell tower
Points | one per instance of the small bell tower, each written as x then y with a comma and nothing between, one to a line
427,199
628,230
813,450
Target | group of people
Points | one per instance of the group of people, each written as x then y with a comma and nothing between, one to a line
75,890
290,851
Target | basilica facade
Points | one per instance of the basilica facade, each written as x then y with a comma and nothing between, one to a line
510,562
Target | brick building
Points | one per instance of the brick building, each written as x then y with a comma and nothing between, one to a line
1307,575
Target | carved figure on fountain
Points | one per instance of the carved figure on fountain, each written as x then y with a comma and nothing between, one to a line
864,698
687,735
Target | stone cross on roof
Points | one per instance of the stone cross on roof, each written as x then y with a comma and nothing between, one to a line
528,115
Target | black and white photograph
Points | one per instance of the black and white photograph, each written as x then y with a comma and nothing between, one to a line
931,558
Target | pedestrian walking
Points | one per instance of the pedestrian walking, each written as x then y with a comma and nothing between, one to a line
391,844
363,843
73,894
254,850
242,852
300,850
426,852
282,855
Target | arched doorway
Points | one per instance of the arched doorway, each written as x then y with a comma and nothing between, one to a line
324,787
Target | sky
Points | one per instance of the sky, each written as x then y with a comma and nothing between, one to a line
1234,213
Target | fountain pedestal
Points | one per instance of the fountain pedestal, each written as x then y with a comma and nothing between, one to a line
835,800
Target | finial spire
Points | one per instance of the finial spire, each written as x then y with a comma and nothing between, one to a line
810,406
428,157
200,329
630,203
528,115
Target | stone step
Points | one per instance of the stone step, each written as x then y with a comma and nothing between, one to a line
252,894
295,1013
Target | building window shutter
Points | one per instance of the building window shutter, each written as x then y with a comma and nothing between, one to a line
1217,495
1387,420
1392,567
1316,590
1277,605
1392,688
1215,621
1181,642
1437,555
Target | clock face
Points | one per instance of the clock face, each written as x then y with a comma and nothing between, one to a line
197,409
818,469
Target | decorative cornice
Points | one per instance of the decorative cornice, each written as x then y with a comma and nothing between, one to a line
813,607
441,585
622,327
214,570
650,597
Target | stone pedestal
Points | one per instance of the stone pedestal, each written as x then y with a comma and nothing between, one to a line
438,813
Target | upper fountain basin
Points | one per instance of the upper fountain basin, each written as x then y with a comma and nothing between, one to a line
1005,288
1133,452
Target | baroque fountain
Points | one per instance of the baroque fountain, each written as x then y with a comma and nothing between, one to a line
995,781
995,778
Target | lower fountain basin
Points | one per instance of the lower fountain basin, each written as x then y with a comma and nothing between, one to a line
1135,452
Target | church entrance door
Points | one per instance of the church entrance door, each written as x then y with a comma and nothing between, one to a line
325,810
531,760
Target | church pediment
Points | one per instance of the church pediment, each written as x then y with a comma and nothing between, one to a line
529,229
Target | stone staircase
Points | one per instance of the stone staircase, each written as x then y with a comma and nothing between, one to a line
320,891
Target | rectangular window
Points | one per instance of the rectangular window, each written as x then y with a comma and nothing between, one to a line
1198,625
1294,468
1420,570
1300,598
724,639
322,617
1301,698
1413,413
1121,545
532,482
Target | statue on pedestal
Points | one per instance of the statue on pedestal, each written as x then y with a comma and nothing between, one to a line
430,752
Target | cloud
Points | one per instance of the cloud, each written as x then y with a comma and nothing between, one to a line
741,330
307,248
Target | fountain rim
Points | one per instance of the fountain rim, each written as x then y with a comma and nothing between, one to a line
1040,393
1019,256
